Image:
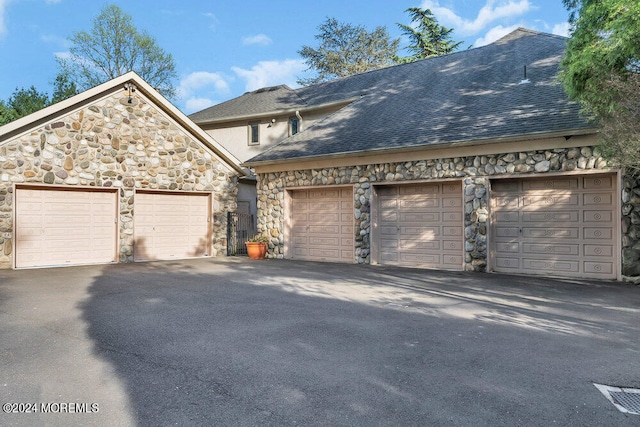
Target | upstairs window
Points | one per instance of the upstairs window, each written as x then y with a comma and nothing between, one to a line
254,133
294,125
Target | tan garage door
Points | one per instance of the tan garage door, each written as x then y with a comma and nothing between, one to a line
322,225
171,226
564,226
63,227
421,225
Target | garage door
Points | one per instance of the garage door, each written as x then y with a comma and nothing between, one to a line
562,226
64,227
322,225
171,226
421,225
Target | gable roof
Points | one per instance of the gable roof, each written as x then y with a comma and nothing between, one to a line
469,97
24,124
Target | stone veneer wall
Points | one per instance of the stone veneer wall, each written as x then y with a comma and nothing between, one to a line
631,226
114,143
474,171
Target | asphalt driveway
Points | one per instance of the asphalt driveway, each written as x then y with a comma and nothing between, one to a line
239,342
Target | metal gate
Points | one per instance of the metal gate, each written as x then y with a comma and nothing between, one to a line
240,228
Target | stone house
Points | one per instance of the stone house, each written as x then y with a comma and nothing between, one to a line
472,161
114,174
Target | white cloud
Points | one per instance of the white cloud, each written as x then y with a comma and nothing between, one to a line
202,81
492,11
196,104
494,34
270,73
561,29
259,39
3,11
199,89
212,19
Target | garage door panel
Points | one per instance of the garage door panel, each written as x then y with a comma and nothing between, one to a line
452,217
420,190
451,231
550,200
171,226
419,217
405,205
551,233
421,225
508,264
550,249
502,217
558,183
550,265
421,232
506,202
591,183
555,226
65,227
388,204
598,233
325,206
598,199
389,257
555,216
598,250
325,240
451,188
419,245
599,268
326,253
598,216
389,243
453,261
325,217
322,222
421,259
507,232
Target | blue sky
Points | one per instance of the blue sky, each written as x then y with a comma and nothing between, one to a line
225,48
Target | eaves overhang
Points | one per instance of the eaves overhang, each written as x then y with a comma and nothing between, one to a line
281,112
345,157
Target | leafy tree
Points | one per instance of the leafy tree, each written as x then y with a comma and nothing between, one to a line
21,103
347,49
27,101
6,114
63,88
601,70
427,37
113,47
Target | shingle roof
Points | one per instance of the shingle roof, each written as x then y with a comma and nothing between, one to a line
464,97
268,99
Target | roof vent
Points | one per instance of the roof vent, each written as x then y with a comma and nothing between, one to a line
525,80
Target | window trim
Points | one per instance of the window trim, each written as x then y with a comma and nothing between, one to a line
250,128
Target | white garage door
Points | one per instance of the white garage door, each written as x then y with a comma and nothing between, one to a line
322,225
65,227
171,226
421,225
564,226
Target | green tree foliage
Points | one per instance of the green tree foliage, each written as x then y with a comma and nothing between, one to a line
113,47
6,114
63,88
427,38
601,70
347,49
26,101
